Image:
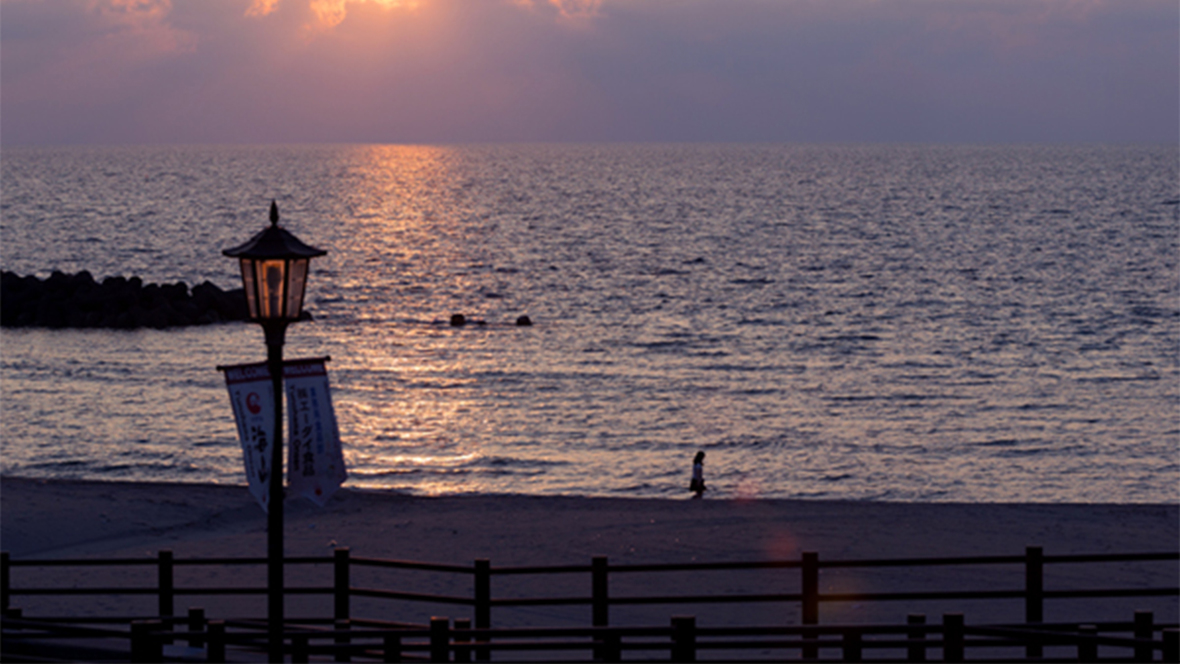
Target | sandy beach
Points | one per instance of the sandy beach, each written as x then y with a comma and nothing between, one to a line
78,519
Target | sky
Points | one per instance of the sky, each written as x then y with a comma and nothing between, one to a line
472,71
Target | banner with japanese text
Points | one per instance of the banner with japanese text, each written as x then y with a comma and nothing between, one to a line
315,459
252,396
315,465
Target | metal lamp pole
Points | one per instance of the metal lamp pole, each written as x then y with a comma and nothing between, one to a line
274,275
275,332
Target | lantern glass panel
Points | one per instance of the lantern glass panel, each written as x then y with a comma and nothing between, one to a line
272,281
296,281
250,287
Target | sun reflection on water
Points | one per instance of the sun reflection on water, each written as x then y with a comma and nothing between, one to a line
410,224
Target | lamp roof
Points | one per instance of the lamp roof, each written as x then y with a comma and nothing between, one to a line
274,242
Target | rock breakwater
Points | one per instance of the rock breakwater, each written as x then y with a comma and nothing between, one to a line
78,301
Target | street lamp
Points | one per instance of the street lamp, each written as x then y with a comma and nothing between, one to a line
274,273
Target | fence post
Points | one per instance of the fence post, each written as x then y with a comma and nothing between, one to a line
299,653
440,639
215,652
599,592
342,583
810,589
393,647
599,601
165,590
5,580
196,623
917,653
483,603
1144,630
145,645
343,654
462,652
1034,589
684,639
1171,645
1087,649
1034,593
852,645
164,585
1034,584
612,647
952,637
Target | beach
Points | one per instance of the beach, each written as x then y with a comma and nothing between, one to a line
56,519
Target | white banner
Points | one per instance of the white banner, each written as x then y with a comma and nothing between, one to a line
315,462
252,396
315,465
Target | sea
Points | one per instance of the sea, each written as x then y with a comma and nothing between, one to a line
923,323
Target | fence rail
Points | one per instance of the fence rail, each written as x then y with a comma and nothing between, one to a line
600,600
810,598
147,640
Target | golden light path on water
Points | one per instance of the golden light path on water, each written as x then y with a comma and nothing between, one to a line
394,183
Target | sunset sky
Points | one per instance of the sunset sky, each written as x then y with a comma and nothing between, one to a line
459,71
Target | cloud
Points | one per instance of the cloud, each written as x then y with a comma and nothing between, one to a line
141,25
132,12
567,9
331,13
262,7
66,48
328,13
610,70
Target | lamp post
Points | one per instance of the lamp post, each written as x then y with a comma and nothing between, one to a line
274,274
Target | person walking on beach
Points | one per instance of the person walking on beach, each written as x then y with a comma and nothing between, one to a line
697,486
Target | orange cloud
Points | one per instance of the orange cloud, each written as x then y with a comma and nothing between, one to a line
141,28
577,8
569,9
328,13
138,15
262,7
331,13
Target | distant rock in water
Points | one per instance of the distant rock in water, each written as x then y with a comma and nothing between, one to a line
77,300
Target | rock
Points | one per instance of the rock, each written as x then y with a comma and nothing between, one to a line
79,301
524,321
157,318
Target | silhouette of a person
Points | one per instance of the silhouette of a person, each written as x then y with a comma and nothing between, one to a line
697,486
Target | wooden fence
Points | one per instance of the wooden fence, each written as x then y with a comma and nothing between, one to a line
600,639
150,640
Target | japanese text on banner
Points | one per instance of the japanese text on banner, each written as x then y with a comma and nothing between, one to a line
252,396
316,461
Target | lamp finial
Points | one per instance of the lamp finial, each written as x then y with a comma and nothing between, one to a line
274,213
